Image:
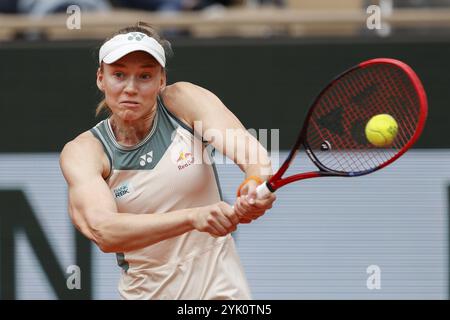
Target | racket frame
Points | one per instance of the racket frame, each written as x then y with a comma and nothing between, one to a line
276,181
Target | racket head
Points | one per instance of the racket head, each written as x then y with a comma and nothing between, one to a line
333,133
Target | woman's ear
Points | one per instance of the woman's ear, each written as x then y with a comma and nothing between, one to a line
162,84
100,80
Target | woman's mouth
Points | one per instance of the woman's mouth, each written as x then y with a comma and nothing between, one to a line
129,103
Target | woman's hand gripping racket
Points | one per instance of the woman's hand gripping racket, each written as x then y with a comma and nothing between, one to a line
364,120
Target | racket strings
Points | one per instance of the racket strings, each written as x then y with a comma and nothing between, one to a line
348,158
336,130
370,99
398,104
345,159
383,154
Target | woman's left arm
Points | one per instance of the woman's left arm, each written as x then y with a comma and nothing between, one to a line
209,117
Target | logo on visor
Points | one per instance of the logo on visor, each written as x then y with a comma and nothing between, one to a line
136,36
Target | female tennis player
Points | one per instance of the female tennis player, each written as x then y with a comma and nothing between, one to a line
139,189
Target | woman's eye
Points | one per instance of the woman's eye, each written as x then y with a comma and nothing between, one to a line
118,74
146,76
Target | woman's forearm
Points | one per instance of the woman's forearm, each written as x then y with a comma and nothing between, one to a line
124,232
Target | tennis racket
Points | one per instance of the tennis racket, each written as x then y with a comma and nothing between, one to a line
333,133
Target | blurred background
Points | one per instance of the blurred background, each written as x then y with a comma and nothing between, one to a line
382,236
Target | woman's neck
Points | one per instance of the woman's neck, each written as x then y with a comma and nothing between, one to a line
130,133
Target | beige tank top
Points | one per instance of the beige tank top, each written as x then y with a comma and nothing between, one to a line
161,174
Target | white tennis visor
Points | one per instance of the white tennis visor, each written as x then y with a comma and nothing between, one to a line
123,44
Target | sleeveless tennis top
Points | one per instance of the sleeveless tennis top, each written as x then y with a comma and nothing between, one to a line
164,172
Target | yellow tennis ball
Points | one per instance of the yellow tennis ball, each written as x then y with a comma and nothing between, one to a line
381,130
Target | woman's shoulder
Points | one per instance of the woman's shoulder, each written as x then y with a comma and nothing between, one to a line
185,99
84,152
84,142
182,100
181,92
85,138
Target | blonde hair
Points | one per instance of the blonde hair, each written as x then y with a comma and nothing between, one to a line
149,31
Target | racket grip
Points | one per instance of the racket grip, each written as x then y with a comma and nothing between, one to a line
262,191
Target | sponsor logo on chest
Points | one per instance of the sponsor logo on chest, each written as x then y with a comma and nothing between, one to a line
182,155
123,190
185,159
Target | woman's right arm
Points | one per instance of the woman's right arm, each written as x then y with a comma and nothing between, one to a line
94,212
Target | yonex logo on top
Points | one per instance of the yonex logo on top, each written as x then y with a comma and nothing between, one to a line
136,36
146,158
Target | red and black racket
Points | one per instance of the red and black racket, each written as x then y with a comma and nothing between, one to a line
333,133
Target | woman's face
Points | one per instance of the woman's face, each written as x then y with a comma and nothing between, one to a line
131,85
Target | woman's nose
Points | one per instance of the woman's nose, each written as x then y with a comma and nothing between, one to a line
130,87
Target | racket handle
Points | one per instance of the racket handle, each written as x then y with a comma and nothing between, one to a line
262,191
